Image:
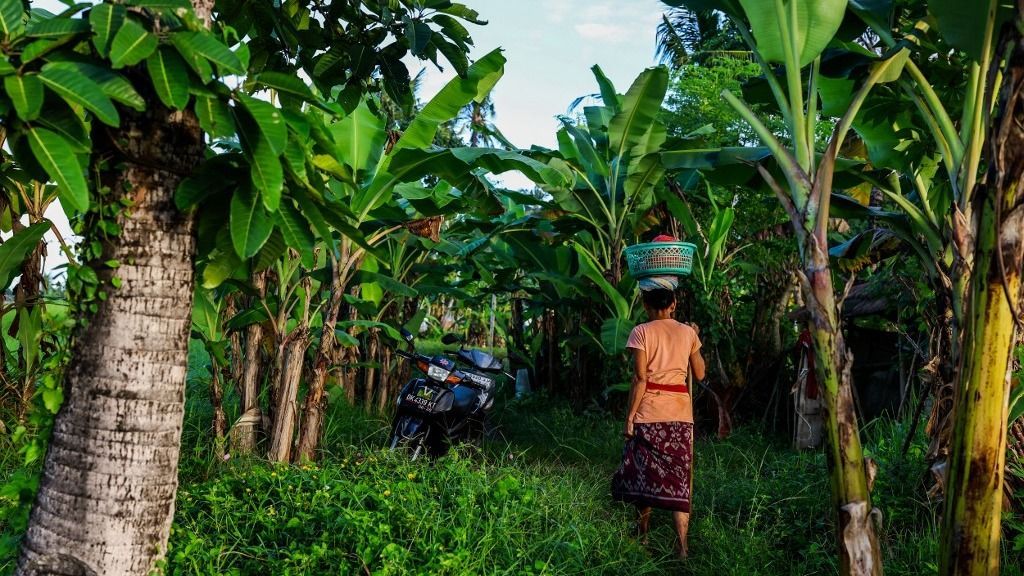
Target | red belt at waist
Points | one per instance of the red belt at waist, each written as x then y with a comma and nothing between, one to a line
668,387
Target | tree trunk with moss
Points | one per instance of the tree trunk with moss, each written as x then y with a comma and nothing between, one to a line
107,492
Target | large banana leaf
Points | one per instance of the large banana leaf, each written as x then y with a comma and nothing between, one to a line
966,25
206,314
644,174
710,158
359,138
615,334
813,23
581,148
610,98
479,80
718,233
640,108
457,166
588,268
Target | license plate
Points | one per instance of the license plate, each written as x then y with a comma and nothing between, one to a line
480,380
420,402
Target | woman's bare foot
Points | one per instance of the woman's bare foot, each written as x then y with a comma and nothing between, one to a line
643,524
682,521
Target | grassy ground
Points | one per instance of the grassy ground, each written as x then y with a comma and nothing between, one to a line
534,500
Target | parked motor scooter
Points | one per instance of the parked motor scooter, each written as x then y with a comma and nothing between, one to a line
449,401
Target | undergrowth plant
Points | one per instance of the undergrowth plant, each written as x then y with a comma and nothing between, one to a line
534,499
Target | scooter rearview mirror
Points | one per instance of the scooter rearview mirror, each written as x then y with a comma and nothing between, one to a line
407,335
448,339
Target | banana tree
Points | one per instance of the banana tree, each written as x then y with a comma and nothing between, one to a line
366,184
23,197
613,155
208,328
958,223
934,180
994,217
794,33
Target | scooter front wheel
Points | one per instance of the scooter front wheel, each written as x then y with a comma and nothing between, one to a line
410,433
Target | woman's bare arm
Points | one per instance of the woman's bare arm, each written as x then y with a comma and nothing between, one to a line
697,368
636,391
697,365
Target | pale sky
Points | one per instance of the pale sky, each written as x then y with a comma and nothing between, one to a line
550,46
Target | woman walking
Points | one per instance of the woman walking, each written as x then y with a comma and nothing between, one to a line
658,457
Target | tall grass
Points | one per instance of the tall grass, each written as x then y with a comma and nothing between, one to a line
534,500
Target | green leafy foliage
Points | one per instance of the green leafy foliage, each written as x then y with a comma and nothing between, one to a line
205,45
214,116
264,164
965,25
296,232
169,74
131,44
58,158
480,78
26,93
614,334
11,18
15,249
359,138
250,225
812,23
77,88
105,19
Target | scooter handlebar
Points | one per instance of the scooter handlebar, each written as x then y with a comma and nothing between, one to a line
407,355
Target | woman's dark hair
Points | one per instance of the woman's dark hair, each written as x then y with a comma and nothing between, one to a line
658,299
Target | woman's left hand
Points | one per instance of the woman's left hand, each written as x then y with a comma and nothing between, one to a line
629,428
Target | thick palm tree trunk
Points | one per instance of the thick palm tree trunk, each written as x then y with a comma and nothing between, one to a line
971,523
106,497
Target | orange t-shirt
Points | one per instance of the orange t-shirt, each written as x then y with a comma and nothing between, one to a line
669,345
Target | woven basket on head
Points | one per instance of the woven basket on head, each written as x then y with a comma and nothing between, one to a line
660,259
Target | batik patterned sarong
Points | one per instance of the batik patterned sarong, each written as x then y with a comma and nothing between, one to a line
656,466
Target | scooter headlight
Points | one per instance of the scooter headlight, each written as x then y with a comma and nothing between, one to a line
437,373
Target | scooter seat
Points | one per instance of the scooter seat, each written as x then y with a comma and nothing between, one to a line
480,359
